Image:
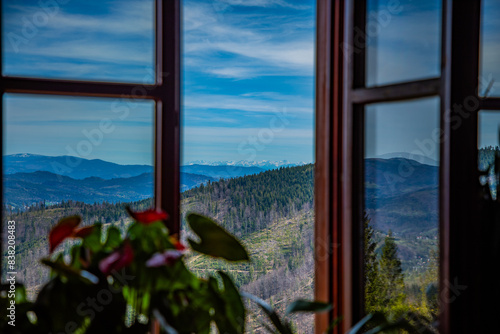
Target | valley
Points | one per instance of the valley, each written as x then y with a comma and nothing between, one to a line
271,211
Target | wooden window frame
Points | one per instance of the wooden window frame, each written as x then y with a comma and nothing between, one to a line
165,92
340,95
340,100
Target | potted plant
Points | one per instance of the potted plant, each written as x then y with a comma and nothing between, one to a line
138,283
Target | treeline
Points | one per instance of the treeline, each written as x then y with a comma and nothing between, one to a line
487,156
36,221
33,226
384,281
248,204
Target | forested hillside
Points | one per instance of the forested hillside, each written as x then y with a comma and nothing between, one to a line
272,213
248,204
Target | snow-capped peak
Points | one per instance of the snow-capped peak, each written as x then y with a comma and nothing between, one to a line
265,164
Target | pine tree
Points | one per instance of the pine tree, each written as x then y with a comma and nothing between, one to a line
429,285
391,273
372,281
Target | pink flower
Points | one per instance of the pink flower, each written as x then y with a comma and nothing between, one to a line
167,258
117,260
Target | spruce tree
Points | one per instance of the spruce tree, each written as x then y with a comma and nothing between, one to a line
372,282
391,273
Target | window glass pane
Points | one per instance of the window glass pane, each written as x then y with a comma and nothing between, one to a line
83,40
489,75
488,145
403,41
71,156
248,109
401,207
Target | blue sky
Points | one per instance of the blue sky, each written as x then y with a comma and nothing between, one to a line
248,76
248,80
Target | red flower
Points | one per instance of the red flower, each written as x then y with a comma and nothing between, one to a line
117,260
177,244
149,216
167,258
67,228
84,231
62,230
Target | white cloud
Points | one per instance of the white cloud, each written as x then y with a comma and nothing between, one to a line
249,103
261,3
234,136
94,42
251,45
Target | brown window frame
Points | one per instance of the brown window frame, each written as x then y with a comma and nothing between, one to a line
165,92
341,97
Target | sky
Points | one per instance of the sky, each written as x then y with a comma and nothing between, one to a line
247,77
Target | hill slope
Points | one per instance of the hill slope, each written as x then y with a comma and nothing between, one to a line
26,189
272,212
401,195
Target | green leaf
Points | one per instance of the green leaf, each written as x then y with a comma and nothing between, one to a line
370,318
215,241
283,328
235,310
67,271
114,238
301,305
93,240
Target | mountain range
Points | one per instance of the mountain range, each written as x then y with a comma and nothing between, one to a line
73,167
221,171
79,168
264,164
411,156
401,195
26,189
31,178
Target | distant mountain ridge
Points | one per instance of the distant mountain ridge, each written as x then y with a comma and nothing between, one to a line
26,189
401,195
73,167
80,168
264,164
411,156
30,188
221,172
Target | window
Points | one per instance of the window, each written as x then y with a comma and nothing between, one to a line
346,92
248,129
128,117
94,111
354,99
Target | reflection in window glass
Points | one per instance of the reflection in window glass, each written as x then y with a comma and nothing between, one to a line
403,40
71,156
83,40
489,75
401,207
489,151
248,137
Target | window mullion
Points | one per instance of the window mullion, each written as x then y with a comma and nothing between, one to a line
167,137
397,92
77,88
